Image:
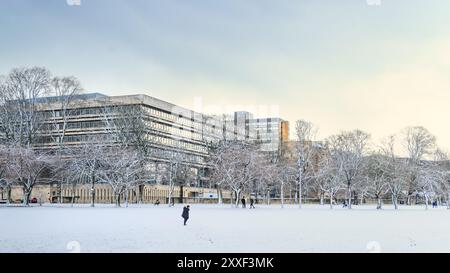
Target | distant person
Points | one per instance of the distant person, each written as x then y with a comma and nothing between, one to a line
157,202
185,214
252,202
344,204
243,202
435,205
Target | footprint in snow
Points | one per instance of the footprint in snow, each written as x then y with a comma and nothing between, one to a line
412,242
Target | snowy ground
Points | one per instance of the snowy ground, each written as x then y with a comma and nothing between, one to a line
213,228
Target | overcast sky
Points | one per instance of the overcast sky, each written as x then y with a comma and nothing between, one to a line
340,64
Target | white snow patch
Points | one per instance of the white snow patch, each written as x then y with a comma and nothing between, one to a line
213,228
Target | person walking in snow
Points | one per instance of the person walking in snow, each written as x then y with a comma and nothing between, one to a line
243,202
251,203
185,214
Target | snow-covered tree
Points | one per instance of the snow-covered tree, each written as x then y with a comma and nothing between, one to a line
376,172
265,177
123,171
89,160
305,133
26,167
419,142
64,100
394,168
348,150
176,160
285,175
20,98
428,182
442,161
235,162
5,181
328,177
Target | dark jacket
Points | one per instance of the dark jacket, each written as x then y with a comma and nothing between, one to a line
185,213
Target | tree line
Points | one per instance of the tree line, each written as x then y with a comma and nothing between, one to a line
346,165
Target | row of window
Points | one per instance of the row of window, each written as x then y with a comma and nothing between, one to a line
188,122
177,143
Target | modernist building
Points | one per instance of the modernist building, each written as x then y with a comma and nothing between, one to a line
270,133
167,127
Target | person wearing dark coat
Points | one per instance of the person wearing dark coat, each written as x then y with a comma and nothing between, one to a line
252,202
185,214
435,205
243,202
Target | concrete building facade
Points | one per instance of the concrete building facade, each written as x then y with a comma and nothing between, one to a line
167,127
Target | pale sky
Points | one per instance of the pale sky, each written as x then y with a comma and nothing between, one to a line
339,64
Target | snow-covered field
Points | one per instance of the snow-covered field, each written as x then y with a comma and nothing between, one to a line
213,228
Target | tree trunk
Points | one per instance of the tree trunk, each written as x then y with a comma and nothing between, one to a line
60,191
426,201
126,198
8,194
282,195
117,198
141,194
170,197
92,190
181,194
349,192
331,201
26,196
237,194
300,191
379,202
394,201
448,199
219,196
73,195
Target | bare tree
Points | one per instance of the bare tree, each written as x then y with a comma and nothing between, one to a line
376,171
328,176
63,105
5,181
395,169
21,96
26,168
419,142
175,161
235,161
305,132
123,171
428,182
90,159
285,174
442,160
349,149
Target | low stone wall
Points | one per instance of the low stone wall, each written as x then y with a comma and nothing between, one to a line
105,195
